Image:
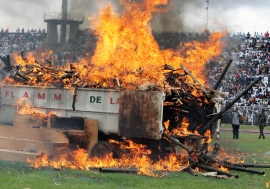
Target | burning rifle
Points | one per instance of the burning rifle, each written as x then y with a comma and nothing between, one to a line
208,125
205,162
12,71
188,149
243,169
250,165
6,61
222,74
15,72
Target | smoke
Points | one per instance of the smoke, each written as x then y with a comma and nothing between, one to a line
183,15
91,7
191,15
173,19
177,15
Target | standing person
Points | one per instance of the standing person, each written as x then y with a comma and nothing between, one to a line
262,123
235,115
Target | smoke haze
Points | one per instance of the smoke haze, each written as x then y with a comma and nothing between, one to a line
183,15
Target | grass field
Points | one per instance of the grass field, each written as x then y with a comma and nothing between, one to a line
19,175
252,127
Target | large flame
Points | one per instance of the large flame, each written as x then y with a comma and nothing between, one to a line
128,49
136,158
182,130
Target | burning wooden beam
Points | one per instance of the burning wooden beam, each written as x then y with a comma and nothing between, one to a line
216,92
191,171
194,79
74,99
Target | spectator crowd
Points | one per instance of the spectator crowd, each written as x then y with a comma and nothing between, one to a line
20,40
251,59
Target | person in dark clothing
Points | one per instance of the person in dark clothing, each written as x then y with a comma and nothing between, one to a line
248,35
262,123
235,115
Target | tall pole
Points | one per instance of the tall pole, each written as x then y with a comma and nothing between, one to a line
64,18
207,1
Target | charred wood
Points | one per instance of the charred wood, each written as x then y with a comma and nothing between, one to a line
191,171
118,170
194,79
74,98
208,168
175,141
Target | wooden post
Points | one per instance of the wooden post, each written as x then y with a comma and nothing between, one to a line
91,132
29,121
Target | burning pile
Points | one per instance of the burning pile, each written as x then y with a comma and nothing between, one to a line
128,57
136,160
126,51
185,98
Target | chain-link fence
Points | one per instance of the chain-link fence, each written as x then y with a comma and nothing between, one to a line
249,115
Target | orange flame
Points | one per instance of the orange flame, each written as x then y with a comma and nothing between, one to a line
25,108
136,158
223,169
128,50
166,124
208,136
182,130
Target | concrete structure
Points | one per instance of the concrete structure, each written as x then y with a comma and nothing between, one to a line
64,18
63,25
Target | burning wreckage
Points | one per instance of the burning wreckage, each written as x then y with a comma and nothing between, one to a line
131,108
69,122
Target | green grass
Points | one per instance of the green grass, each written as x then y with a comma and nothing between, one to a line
19,175
48,178
248,146
252,127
